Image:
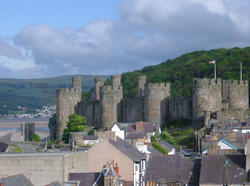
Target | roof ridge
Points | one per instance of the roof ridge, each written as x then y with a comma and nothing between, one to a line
11,176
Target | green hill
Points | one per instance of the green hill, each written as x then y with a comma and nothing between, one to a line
34,93
181,70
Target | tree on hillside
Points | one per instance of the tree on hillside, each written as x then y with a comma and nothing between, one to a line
75,123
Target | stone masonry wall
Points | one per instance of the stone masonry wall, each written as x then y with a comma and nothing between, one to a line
156,95
132,110
91,111
42,169
179,108
110,98
66,102
206,96
235,94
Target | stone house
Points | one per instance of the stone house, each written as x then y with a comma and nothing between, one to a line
130,161
136,133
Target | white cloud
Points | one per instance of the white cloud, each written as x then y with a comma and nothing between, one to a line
147,32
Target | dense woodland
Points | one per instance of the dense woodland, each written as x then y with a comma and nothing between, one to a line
181,70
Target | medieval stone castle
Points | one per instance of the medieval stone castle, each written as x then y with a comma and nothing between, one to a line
210,98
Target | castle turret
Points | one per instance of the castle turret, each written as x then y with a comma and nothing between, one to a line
95,94
66,101
141,86
235,94
77,82
116,80
206,97
155,102
110,98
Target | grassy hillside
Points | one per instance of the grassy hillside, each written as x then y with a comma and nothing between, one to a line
34,93
181,70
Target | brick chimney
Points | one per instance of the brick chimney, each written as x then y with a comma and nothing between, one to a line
139,126
116,168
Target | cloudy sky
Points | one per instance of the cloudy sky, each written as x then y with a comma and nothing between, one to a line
45,38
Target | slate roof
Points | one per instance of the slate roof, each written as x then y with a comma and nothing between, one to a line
152,150
135,135
166,145
214,171
90,137
15,180
87,179
56,183
127,149
172,169
147,128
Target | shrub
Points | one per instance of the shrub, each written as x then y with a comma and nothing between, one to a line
168,138
159,148
35,137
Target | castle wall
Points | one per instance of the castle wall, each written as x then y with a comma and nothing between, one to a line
132,110
155,108
235,94
179,108
91,111
66,102
206,96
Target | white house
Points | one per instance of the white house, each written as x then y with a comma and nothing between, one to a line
118,131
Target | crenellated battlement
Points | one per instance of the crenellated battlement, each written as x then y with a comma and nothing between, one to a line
99,80
204,82
67,90
158,86
236,82
109,88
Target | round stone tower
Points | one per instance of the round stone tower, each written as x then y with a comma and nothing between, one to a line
156,95
77,82
207,96
110,98
141,86
66,102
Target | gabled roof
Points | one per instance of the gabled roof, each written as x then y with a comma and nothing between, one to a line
227,143
172,169
87,179
110,171
127,149
166,145
220,169
14,180
56,183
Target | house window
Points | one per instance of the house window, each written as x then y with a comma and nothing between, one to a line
142,165
136,168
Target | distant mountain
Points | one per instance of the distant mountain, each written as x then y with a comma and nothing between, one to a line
181,70
34,93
